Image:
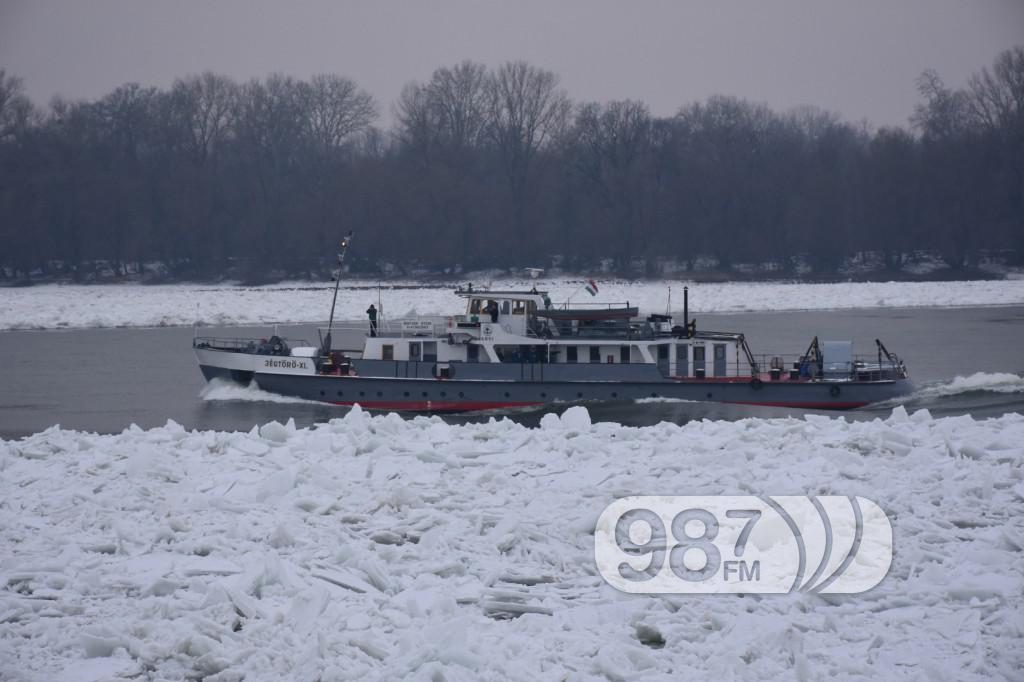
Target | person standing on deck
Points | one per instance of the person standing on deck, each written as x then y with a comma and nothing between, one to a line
371,312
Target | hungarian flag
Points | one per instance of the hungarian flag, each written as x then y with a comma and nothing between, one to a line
591,287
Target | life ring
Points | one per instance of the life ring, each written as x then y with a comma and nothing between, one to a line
756,383
833,391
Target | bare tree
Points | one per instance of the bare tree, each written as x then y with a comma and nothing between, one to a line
527,109
611,144
450,111
458,97
997,101
269,120
203,107
334,108
15,109
416,120
944,112
997,96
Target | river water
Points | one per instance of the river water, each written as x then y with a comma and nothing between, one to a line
104,380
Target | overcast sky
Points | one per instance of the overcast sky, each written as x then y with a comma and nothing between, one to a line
857,57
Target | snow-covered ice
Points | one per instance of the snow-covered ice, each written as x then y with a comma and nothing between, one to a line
120,305
375,547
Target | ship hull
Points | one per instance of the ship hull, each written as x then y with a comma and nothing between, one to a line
460,395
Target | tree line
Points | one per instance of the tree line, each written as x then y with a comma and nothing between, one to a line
496,168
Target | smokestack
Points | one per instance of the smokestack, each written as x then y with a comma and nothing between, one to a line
686,306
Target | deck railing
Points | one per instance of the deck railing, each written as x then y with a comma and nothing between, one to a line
241,345
862,367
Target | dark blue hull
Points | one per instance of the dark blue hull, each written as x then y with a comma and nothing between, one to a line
426,393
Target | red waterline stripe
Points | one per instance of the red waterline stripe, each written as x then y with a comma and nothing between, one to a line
433,404
814,405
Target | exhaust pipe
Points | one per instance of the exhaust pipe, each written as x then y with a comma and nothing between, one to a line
686,307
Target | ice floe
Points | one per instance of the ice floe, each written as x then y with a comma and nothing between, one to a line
374,547
120,305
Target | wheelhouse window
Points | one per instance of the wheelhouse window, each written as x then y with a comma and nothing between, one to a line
519,307
474,306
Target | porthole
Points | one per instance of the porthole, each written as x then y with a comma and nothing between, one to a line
424,394
543,395
362,393
406,394
443,394
321,392
461,394
340,394
709,395
579,394
380,394
615,395
654,395
507,394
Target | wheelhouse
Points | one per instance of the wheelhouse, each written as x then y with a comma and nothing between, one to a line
524,327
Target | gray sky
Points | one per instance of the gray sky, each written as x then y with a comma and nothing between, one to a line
857,57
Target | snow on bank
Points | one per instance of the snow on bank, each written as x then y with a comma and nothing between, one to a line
384,548
74,306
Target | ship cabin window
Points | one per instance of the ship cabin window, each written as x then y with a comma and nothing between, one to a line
519,307
624,354
387,352
508,353
474,306
505,307
523,353
430,351
571,354
472,353
595,354
414,351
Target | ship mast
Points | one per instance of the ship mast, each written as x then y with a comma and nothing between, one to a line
326,349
